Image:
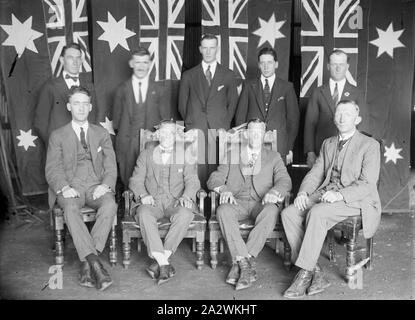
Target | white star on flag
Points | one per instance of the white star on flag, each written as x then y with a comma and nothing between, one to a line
392,153
26,139
115,32
108,125
269,31
388,40
21,35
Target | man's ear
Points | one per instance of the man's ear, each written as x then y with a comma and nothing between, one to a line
130,63
358,120
61,60
68,106
200,49
276,65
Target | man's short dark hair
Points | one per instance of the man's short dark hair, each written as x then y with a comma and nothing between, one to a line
141,51
209,36
71,45
268,50
348,101
78,89
338,52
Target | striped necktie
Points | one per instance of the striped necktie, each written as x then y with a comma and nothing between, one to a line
335,95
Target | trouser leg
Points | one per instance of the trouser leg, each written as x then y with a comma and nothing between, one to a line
180,218
147,217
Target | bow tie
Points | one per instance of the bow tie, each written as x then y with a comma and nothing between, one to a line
75,79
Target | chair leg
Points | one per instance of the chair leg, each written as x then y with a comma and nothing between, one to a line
139,245
193,245
221,245
200,248
214,254
59,247
126,249
330,239
113,247
351,246
287,256
369,253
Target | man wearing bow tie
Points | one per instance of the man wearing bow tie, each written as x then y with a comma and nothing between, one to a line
139,103
272,100
342,183
165,185
251,188
51,112
319,123
81,170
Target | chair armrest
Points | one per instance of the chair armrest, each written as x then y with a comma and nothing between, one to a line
213,196
201,195
128,199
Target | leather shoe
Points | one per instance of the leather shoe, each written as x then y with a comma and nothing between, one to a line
252,264
102,278
244,280
85,277
233,274
319,282
299,285
166,273
153,270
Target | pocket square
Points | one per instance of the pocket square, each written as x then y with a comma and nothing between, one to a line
280,98
180,170
99,149
220,87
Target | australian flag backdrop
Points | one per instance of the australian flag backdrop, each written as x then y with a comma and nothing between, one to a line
378,35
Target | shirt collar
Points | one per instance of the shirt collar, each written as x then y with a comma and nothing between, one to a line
340,83
77,127
348,136
271,79
212,66
143,80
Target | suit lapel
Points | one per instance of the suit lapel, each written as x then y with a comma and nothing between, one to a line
92,138
351,148
129,96
327,95
257,87
200,80
62,88
346,91
71,143
332,147
156,155
217,79
276,92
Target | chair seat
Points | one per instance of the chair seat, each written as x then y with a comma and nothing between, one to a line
351,222
244,225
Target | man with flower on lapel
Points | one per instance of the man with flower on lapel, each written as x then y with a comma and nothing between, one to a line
139,103
207,99
319,123
272,100
51,112
81,170
342,183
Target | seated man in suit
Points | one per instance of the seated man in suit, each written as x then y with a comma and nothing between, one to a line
342,183
166,186
253,187
81,170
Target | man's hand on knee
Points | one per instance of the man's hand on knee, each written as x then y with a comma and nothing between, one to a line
148,200
272,197
68,192
100,191
185,202
227,197
331,196
301,201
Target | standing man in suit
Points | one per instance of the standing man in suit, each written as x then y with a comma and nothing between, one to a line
140,103
252,188
81,170
51,112
319,123
272,100
166,186
342,183
207,100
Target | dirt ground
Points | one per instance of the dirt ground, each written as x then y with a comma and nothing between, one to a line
26,256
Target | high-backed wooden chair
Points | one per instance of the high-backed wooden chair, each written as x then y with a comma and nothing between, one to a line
197,228
88,215
349,229
227,140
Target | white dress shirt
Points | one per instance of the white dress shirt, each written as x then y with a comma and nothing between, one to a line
271,80
144,87
69,82
77,128
165,156
212,67
340,86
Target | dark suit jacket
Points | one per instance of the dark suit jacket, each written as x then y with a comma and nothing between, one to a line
51,112
61,159
271,174
319,120
145,178
283,113
208,112
127,141
359,175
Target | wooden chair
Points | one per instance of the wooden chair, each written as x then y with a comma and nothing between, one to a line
89,215
197,228
228,139
349,229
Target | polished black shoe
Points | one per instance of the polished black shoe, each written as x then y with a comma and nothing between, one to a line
233,274
319,282
299,285
244,280
85,276
166,273
252,264
153,270
101,276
